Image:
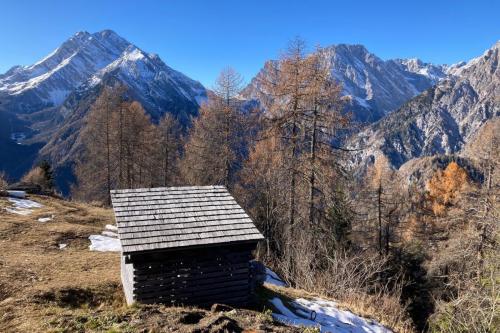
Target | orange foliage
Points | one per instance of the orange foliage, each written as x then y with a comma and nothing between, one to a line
446,186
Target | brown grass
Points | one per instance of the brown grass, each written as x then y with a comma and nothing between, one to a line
45,289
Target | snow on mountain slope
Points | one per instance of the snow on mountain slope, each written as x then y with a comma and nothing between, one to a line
433,72
158,87
439,121
87,59
49,81
376,87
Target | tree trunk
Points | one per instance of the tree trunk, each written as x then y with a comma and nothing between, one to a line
108,155
312,176
379,204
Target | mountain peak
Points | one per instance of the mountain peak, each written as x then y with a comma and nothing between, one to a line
106,33
81,34
376,87
51,79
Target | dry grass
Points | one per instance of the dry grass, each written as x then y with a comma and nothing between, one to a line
45,289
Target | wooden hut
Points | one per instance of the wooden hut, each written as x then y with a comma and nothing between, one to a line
184,245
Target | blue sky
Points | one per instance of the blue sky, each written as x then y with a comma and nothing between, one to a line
199,38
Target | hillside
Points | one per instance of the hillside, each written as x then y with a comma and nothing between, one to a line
51,282
441,120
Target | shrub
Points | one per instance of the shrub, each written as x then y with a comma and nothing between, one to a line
40,175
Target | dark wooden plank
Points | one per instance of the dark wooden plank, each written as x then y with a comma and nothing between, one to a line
230,300
193,286
198,268
196,292
178,299
187,261
162,278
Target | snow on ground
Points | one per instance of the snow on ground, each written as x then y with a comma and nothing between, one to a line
17,194
110,234
325,315
111,227
274,279
107,241
104,243
46,219
22,206
319,313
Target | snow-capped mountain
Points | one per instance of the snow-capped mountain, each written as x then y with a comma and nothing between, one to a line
49,81
158,87
87,59
376,87
441,120
433,72
46,103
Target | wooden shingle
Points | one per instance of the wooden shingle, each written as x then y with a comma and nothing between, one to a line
180,217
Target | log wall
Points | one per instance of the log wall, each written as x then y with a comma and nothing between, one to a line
202,277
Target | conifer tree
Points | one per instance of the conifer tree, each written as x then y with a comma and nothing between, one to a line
214,149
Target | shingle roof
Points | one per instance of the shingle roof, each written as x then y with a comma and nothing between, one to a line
171,217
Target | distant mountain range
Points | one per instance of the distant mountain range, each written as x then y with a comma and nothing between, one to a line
376,87
441,120
410,108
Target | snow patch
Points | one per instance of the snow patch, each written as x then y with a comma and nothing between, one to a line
46,219
103,243
22,206
110,234
111,227
324,315
17,194
320,313
24,203
18,137
107,241
274,279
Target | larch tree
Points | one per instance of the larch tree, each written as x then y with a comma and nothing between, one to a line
294,170
322,119
121,148
137,150
385,202
445,187
170,148
95,169
287,85
214,150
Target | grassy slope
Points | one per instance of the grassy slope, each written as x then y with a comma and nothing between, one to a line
45,289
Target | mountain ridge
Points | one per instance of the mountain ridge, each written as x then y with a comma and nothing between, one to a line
441,120
46,102
376,87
